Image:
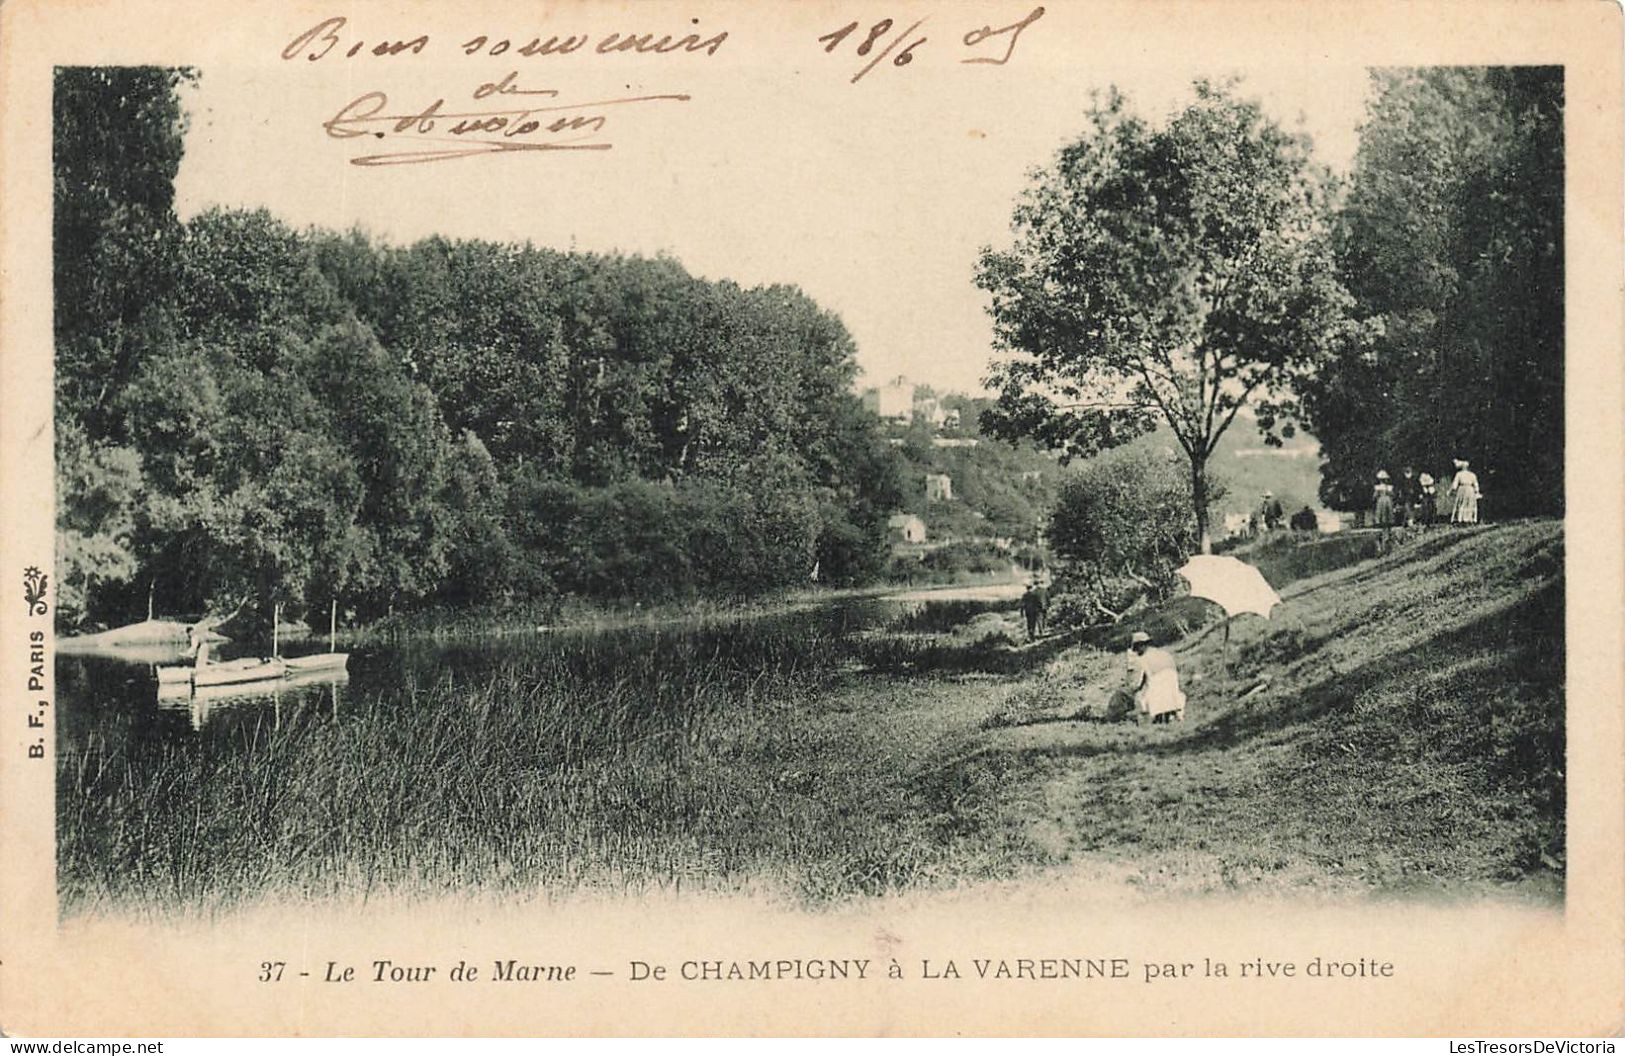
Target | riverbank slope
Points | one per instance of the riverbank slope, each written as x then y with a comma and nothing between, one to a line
1397,726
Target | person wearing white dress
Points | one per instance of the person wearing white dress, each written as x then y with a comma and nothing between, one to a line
1465,488
1383,497
1154,681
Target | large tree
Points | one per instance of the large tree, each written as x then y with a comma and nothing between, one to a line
1452,239
116,146
1181,273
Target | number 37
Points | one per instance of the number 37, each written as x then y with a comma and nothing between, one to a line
271,971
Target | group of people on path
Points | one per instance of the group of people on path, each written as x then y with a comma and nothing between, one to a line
1414,499
1267,517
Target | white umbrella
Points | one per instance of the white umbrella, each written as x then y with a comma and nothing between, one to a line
1235,586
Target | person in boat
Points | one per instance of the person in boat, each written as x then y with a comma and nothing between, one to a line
197,643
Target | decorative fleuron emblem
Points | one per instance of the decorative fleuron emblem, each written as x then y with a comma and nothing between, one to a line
34,590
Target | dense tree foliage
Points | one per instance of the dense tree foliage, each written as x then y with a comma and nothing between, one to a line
1452,240
1125,513
1177,273
117,148
250,411
1121,524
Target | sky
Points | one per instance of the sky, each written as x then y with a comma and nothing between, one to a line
874,197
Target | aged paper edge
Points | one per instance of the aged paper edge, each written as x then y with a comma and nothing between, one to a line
1473,967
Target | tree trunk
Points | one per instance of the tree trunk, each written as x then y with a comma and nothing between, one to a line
1199,501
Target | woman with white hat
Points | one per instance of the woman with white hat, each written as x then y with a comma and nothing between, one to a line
1154,681
1384,492
1465,488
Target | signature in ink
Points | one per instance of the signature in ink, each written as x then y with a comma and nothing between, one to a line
547,124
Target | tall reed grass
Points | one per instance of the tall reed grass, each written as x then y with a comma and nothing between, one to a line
640,759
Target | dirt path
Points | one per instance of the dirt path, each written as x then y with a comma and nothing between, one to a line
978,592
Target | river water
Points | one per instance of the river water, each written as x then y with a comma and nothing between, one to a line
112,694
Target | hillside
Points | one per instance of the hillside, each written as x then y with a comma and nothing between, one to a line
1006,490
1410,740
999,490
1246,468
1409,736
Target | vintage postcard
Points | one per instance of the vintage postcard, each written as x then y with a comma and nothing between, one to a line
701,518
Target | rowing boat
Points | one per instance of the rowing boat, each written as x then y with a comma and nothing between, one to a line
258,669
232,672
252,669
177,694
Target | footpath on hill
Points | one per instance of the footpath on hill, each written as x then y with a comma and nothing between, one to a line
1397,726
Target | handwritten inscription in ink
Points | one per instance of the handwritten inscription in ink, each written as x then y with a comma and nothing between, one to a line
550,123
900,46
505,118
332,38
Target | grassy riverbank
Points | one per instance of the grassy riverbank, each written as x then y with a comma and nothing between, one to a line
1398,726
1409,737
724,754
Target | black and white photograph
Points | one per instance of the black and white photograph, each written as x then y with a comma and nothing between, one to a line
817,464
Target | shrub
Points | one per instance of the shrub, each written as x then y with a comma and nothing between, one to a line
1126,511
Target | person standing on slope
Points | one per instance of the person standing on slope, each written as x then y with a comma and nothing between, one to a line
1427,500
1384,492
1465,489
1034,604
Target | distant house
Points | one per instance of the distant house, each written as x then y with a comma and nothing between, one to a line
893,400
929,408
902,402
953,441
905,528
939,487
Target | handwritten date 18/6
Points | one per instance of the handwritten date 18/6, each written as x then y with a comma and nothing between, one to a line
880,35
876,34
